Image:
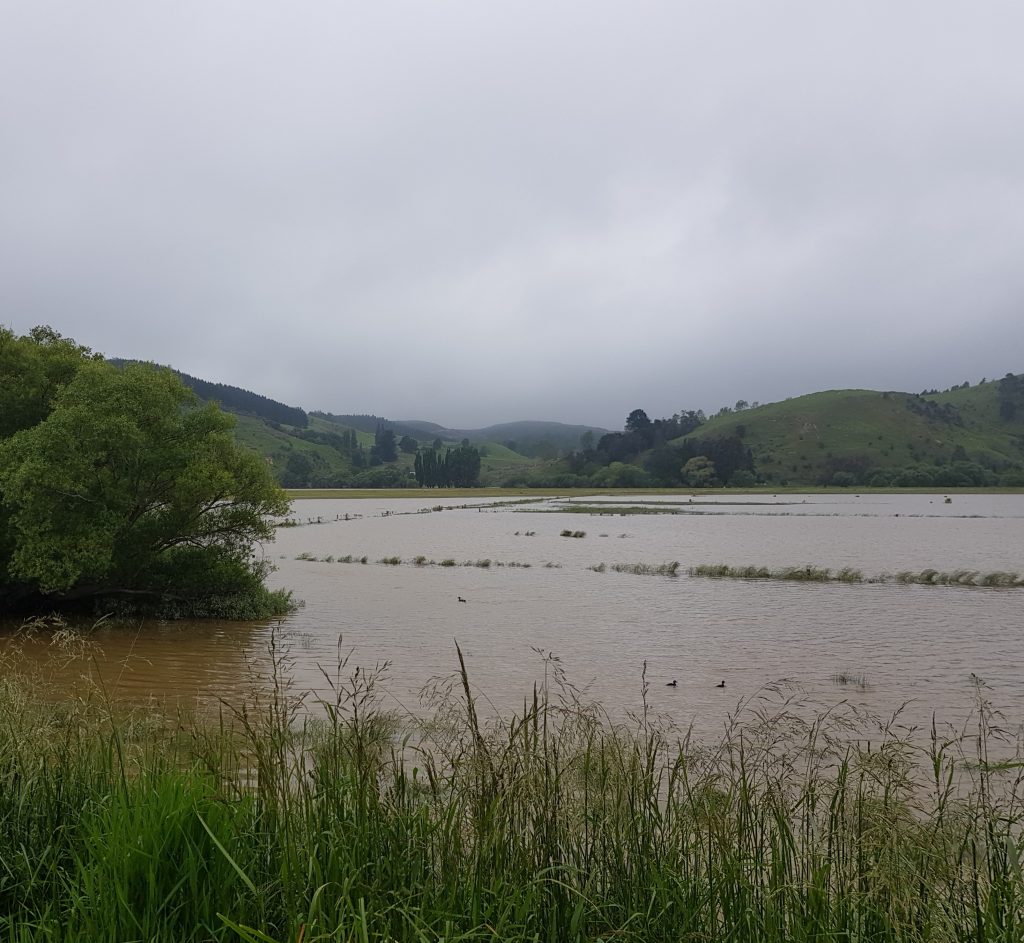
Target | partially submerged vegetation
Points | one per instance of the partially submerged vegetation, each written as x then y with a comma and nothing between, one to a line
807,573
803,574
844,678
642,569
419,561
960,578
616,510
639,569
817,574
292,818
647,569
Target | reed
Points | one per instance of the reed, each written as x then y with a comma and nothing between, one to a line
960,578
816,574
646,569
844,678
287,819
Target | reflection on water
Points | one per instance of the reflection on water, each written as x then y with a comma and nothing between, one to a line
142,661
916,644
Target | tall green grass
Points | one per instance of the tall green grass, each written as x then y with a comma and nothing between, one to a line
287,818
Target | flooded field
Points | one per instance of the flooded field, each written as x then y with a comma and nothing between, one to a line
515,591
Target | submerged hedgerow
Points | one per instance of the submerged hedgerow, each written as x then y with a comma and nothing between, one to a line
816,574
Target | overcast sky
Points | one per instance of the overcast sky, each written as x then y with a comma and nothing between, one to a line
476,211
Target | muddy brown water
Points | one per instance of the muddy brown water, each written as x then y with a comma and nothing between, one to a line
923,647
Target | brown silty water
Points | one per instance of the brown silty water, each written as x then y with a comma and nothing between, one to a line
878,647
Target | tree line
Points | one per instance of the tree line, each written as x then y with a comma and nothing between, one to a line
652,452
238,400
456,468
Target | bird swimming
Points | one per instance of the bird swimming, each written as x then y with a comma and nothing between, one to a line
672,683
461,599
721,685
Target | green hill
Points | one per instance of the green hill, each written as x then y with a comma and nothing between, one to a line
295,454
325,451
964,436
883,438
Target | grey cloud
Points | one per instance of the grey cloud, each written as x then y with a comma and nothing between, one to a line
483,212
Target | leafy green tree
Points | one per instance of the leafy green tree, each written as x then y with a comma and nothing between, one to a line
743,479
699,472
298,471
1011,395
408,445
459,468
33,369
620,475
726,453
463,466
640,426
127,490
385,448
663,464
637,421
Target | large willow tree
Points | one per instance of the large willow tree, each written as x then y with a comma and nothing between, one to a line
119,490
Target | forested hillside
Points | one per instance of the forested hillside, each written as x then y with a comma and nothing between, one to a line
235,399
968,435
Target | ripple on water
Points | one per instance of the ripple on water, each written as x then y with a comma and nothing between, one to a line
907,643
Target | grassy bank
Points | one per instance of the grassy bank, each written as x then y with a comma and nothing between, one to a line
263,824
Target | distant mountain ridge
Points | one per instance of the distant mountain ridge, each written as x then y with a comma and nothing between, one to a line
368,422
561,434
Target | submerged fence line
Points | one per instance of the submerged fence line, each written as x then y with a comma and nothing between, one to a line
808,573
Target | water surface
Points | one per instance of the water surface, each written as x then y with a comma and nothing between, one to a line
921,646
